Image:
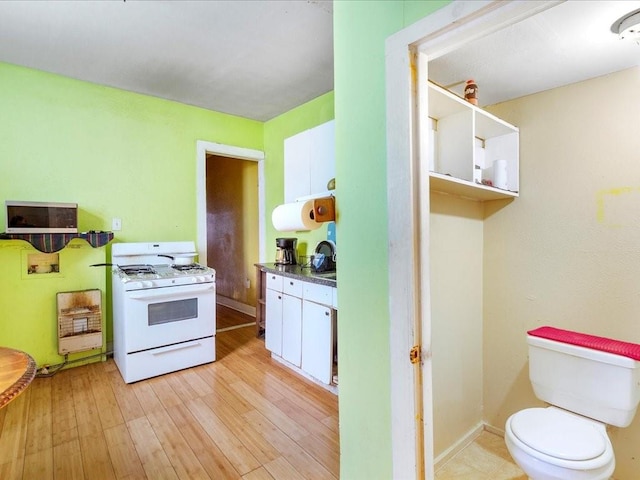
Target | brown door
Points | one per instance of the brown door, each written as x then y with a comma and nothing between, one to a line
232,227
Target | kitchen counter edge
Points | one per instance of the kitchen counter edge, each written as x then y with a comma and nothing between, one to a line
296,271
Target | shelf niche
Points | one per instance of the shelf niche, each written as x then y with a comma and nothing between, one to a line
465,142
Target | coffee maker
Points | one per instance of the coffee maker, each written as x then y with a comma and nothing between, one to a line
286,251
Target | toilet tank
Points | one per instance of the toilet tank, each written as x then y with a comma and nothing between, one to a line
594,383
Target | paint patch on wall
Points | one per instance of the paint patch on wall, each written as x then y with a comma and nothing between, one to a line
618,207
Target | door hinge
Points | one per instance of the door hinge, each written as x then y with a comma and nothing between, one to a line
414,354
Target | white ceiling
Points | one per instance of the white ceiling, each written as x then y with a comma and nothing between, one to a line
565,44
258,59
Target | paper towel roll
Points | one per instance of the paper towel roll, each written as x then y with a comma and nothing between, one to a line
294,217
500,176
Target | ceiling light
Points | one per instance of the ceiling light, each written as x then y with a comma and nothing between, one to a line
628,26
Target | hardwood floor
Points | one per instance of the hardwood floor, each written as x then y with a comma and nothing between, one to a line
228,318
241,417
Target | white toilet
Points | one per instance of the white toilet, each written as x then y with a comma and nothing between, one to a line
590,382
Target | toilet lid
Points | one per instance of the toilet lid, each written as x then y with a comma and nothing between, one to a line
558,434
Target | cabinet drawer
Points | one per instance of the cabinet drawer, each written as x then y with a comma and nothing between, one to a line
274,282
292,286
318,293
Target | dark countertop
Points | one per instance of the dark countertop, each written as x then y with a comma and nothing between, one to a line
302,273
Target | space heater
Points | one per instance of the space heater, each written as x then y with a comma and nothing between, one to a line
79,321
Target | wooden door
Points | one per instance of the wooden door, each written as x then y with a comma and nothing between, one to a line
232,226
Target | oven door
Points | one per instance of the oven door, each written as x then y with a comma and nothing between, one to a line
163,316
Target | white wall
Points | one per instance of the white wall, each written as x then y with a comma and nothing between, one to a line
567,252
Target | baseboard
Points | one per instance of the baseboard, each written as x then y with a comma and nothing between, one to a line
235,327
235,305
457,447
468,438
494,430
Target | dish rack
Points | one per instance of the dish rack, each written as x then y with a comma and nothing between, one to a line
79,321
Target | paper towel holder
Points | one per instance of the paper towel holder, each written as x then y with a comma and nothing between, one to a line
324,209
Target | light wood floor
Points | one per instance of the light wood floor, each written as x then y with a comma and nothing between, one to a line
241,417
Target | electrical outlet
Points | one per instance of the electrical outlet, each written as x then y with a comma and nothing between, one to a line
116,224
247,283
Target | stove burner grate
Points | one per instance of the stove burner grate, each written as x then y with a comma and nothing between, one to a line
137,269
192,266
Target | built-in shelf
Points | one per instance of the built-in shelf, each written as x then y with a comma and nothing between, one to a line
464,188
470,149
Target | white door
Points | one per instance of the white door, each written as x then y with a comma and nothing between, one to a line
317,341
292,329
273,322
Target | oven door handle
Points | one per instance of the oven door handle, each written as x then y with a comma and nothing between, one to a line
154,294
173,348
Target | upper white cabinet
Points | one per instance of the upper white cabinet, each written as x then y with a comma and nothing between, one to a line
469,147
309,161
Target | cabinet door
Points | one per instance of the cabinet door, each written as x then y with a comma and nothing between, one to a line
322,164
317,341
297,181
273,322
309,161
292,329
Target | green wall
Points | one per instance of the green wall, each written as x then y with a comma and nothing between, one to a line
116,154
360,31
304,117
28,301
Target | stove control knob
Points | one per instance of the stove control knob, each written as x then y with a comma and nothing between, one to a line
199,279
147,284
135,285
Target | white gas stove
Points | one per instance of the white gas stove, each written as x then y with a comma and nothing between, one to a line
164,315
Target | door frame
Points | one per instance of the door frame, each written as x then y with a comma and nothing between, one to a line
231,151
407,55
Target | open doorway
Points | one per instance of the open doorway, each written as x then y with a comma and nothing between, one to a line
230,213
232,228
410,265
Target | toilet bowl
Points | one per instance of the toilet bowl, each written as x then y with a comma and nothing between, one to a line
554,444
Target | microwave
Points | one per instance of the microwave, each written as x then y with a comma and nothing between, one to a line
41,217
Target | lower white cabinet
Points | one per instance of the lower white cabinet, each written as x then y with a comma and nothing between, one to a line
318,325
292,329
300,325
273,321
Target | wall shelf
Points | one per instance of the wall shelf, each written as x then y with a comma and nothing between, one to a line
466,144
463,188
54,242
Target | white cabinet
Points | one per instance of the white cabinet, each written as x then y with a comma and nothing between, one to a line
300,324
469,148
309,161
275,282
292,320
317,293
273,322
283,333
318,327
